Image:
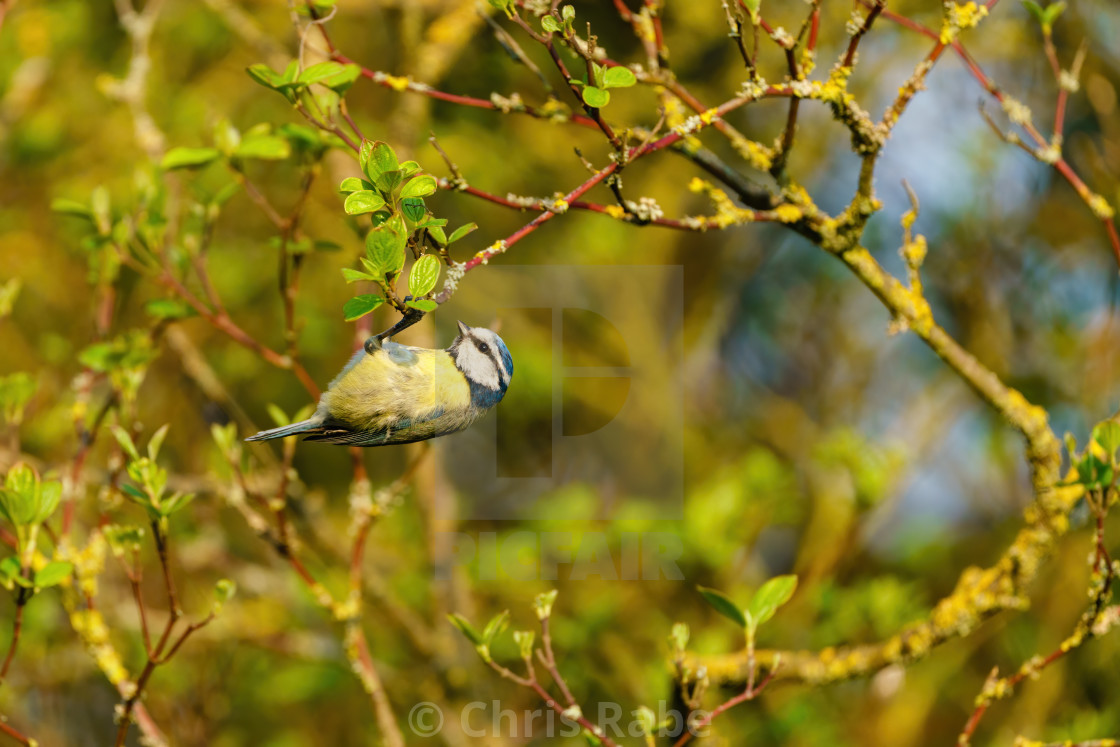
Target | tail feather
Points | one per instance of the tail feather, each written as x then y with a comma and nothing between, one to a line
304,426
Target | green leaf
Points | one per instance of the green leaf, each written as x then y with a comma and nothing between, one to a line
619,77
70,207
188,158
753,6
279,417
341,81
224,590
466,628
365,201
381,159
568,13
408,168
461,231
263,146
264,75
1045,16
354,184
50,494
21,480
1107,434
595,97
365,151
320,72
385,250
597,72
303,138
52,574
505,6
125,440
319,8
388,181
423,304
679,637
16,390
769,597
291,72
437,233
18,507
353,276
169,308
420,186
176,502
1094,473
222,196
550,24
9,572
424,275
542,604
99,208
413,209
156,441
524,640
1035,10
723,605
497,624
359,306
1051,14
135,493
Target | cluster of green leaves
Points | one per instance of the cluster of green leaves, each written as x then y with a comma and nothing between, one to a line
506,6
294,83
594,91
140,228
124,358
1045,16
26,502
483,640
150,479
262,142
524,639
564,24
606,77
104,265
1099,465
124,540
765,602
392,193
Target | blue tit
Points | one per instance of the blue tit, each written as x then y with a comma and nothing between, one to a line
396,394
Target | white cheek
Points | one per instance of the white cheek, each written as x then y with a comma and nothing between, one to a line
480,369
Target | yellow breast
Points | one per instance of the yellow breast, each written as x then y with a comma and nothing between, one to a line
413,385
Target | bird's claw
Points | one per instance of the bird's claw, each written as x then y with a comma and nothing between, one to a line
411,316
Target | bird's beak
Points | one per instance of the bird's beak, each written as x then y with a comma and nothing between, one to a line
464,330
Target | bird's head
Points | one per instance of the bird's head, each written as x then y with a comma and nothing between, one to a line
482,357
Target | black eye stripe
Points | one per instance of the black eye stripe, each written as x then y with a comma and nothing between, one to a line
490,353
